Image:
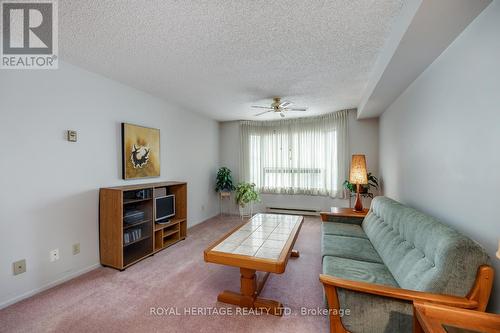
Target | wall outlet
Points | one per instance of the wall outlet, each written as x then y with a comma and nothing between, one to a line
19,267
76,248
54,255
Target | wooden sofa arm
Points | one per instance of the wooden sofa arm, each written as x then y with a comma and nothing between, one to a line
433,316
397,293
477,298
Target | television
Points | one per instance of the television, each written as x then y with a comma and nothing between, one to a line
165,208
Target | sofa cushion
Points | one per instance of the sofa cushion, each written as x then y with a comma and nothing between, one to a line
420,252
391,315
356,270
375,314
349,247
342,229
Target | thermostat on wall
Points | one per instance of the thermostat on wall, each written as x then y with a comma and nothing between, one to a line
72,136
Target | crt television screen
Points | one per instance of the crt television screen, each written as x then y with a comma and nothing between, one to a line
165,207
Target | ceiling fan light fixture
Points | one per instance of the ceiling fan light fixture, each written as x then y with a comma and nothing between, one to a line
285,104
278,106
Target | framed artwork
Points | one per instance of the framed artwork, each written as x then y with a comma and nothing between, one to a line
140,151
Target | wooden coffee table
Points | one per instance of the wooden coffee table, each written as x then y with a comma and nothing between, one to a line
262,244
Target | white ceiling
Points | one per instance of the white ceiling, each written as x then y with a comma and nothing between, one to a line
220,57
422,31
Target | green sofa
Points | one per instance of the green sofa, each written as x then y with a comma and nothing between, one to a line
377,266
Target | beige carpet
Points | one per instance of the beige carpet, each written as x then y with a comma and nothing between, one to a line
181,288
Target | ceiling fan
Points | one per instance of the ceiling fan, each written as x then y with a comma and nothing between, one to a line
278,106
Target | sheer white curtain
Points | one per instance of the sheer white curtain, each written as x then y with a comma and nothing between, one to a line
296,156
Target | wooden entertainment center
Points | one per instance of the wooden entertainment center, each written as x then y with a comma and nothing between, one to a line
122,243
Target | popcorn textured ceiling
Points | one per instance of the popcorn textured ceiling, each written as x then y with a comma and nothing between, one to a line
218,57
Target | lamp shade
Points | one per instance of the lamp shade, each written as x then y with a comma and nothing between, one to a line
358,170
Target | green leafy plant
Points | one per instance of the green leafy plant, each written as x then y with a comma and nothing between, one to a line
224,180
372,182
246,193
349,186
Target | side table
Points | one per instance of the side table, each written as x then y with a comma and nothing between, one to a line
336,212
435,318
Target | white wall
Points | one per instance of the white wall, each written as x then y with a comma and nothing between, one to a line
363,138
49,187
439,141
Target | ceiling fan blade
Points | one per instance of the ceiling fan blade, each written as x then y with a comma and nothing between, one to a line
285,104
261,107
296,109
260,114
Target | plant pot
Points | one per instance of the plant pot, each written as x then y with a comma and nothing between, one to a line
225,194
246,210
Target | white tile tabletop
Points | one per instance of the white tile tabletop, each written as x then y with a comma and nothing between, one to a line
264,236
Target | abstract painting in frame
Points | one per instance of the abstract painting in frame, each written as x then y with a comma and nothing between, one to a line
140,151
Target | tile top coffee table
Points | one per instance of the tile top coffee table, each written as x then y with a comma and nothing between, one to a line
262,244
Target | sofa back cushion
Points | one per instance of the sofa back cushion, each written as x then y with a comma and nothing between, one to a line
420,252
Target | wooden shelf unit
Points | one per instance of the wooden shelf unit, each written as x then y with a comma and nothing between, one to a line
115,201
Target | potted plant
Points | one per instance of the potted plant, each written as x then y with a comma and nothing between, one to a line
372,182
224,181
245,196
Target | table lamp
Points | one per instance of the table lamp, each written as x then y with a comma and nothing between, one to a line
358,177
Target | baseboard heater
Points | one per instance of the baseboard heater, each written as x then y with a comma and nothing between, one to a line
293,211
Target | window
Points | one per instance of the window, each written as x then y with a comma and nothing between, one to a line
297,156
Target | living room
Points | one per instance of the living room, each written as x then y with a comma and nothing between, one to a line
356,133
